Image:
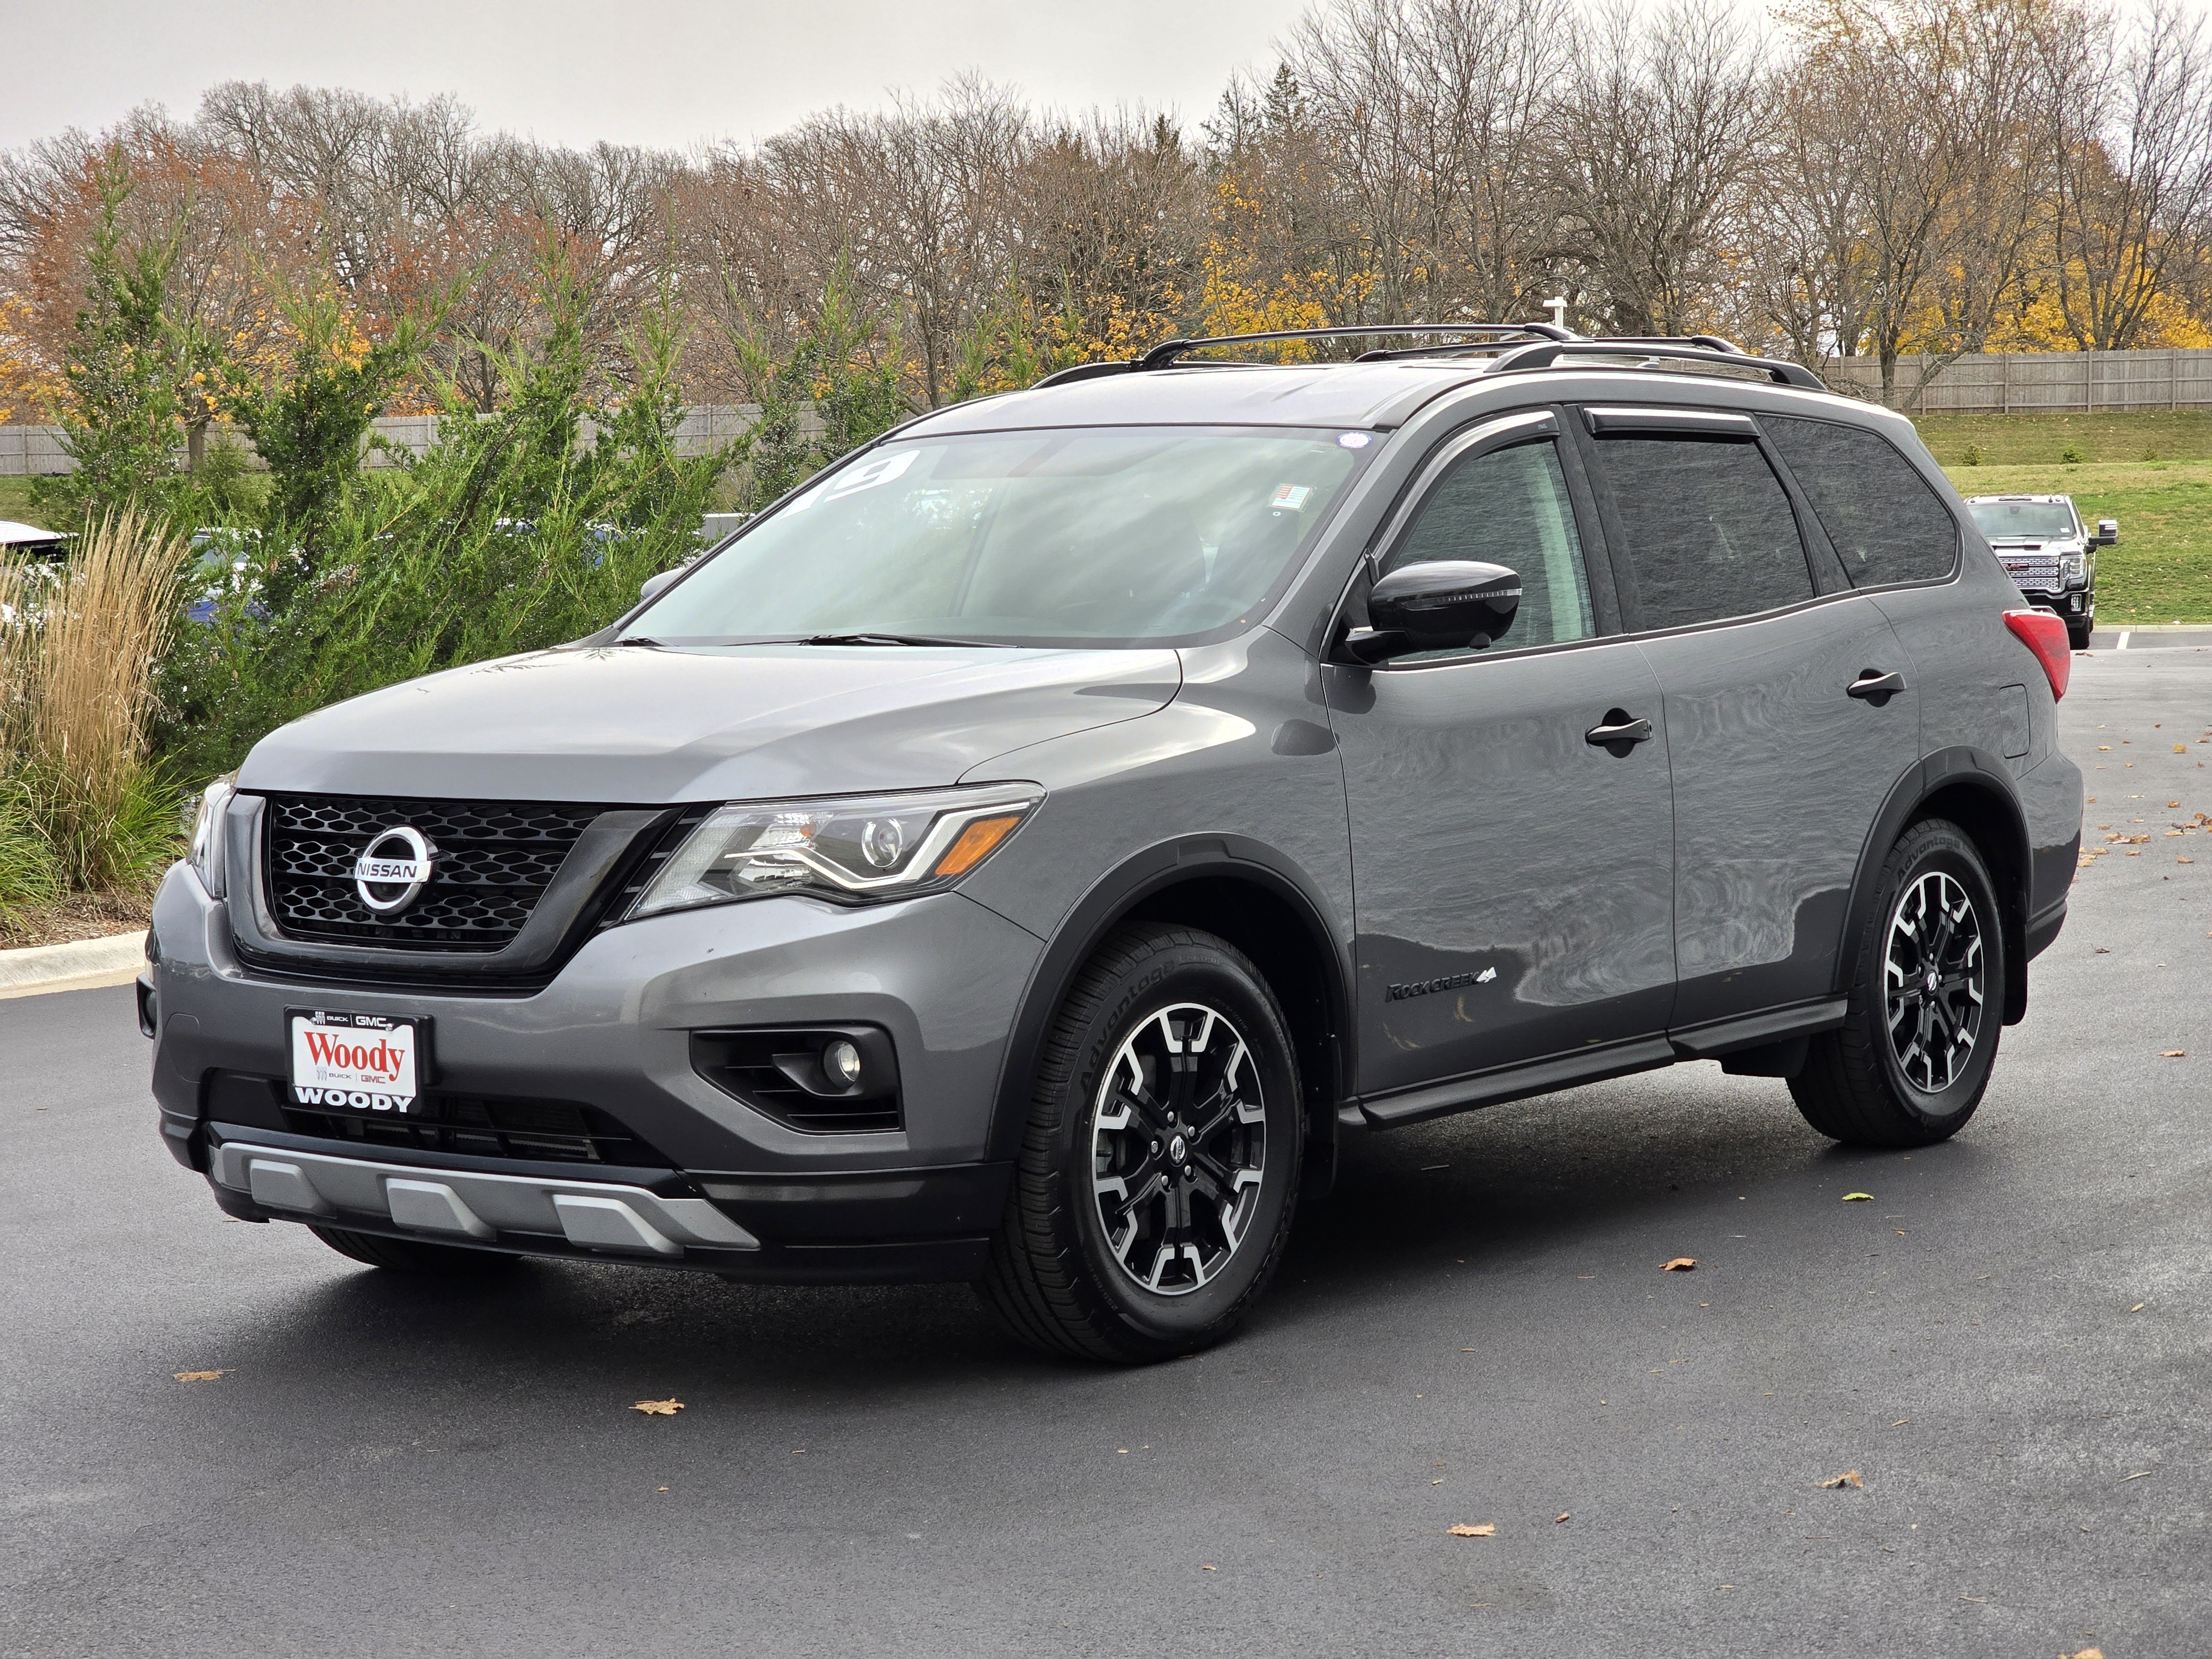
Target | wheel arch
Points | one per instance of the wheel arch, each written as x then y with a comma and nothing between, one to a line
1973,790
1247,894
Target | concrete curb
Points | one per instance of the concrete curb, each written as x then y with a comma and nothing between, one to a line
78,965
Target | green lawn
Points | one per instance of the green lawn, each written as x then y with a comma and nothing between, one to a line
2043,440
15,501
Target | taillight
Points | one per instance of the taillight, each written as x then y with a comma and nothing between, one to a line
2044,634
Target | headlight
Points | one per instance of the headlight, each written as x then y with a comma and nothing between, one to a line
207,856
860,849
2074,569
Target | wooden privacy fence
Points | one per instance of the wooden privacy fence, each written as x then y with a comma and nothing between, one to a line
1983,383
37,450
2038,382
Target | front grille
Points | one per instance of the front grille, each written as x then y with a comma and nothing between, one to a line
536,1131
2040,573
494,860
532,1130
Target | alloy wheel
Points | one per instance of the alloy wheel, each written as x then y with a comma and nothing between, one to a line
1934,986
1179,1147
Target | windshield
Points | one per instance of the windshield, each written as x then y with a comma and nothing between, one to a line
1097,536
2023,521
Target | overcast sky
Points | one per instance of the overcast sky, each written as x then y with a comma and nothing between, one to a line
662,72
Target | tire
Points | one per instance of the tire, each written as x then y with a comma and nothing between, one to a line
1172,1261
409,1255
1867,1085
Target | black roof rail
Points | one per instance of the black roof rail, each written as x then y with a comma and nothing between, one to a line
1167,350
1711,342
1545,353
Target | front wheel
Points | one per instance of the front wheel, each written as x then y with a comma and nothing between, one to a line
1160,1167
1909,1065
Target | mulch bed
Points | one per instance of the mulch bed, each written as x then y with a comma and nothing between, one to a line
83,915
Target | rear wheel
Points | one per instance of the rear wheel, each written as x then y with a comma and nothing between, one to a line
1911,1062
1159,1171
409,1255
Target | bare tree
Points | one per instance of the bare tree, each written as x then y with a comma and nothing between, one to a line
1431,113
1655,140
2131,164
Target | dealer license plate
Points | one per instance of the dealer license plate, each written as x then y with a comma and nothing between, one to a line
358,1062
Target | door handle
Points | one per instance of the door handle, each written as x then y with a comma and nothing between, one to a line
1618,732
1876,686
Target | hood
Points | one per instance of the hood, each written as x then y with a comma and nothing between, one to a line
644,726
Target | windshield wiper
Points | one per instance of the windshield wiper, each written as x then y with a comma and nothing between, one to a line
887,639
642,639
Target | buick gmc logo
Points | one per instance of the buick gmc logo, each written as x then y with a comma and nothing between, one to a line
393,868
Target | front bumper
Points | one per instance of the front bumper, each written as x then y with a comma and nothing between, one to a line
2075,603
734,1190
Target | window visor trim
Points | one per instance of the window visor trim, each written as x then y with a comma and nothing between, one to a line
1705,422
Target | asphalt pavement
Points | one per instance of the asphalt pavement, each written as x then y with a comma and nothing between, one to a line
2009,1344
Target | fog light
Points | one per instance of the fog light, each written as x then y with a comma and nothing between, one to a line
841,1063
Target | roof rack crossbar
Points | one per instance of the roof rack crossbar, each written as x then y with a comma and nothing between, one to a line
1546,353
1167,350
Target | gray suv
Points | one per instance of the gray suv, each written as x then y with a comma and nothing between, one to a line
1024,853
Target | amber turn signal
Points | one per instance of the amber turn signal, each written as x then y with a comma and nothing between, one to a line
975,845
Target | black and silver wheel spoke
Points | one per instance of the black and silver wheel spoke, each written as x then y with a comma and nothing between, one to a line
1178,1147
1932,981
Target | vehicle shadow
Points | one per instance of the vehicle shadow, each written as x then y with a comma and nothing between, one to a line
1573,1175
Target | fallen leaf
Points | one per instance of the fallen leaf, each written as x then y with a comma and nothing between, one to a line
2139,1307
1681,1264
659,1407
2140,1474
1487,1529
1207,1566
2181,748
2087,1653
2174,1054
1848,1478
1858,1198
201,1376
2102,747
1901,1423
2173,805
1564,1516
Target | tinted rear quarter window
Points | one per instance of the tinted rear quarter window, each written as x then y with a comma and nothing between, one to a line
1888,525
1710,530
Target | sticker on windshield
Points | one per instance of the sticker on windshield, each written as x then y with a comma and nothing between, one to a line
1290,498
862,474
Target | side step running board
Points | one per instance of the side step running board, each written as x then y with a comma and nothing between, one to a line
1564,1071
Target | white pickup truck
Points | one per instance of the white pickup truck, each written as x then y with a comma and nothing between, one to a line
2050,555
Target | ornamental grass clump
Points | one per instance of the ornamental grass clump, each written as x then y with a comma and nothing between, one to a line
78,648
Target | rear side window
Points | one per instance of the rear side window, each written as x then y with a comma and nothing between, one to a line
1510,507
1710,530
1886,524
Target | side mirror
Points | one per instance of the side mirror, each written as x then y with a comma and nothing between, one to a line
2108,533
653,585
1448,605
